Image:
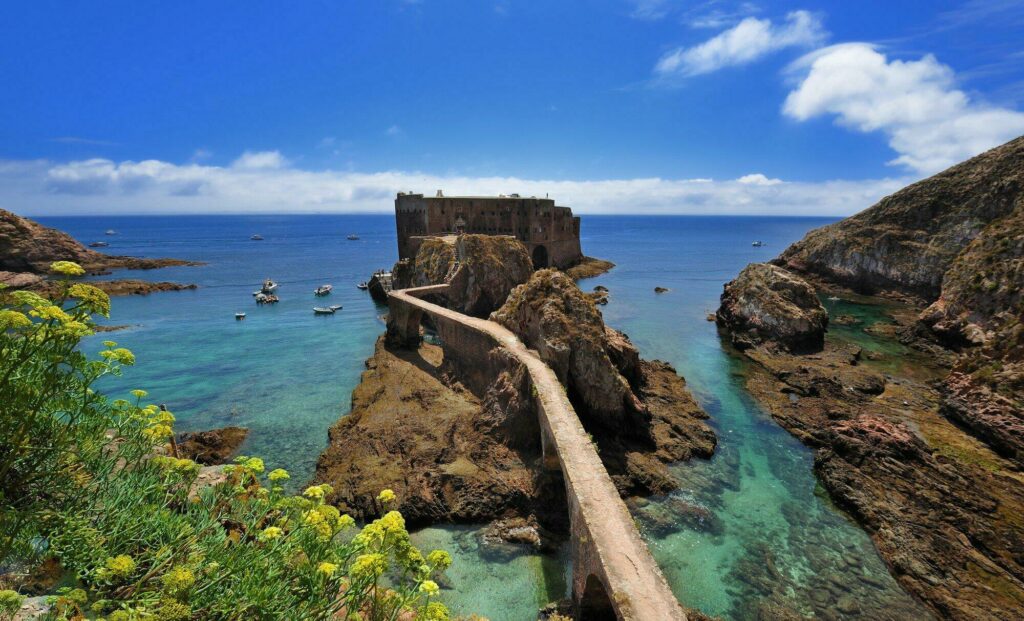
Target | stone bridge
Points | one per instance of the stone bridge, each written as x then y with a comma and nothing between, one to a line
614,574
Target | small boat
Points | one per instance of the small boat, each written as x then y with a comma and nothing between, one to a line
98,245
833,298
111,232
322,290
363,285
269,286
266,298
352,237
335,307
239,316
256,238
323,310
757,244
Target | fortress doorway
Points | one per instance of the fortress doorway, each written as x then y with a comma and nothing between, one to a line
540,257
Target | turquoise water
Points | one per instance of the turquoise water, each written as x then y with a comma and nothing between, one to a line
751,525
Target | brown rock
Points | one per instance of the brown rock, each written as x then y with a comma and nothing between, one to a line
767,303
213,447
27,246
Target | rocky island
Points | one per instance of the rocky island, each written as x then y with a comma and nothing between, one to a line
919,434
27,249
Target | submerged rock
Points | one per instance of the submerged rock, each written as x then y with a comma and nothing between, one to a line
766,303
213,447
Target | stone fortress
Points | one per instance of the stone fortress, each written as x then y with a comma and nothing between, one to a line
551,233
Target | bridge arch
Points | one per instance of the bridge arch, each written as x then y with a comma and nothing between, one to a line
540,257
594,604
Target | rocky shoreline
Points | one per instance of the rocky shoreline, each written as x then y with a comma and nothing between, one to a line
27,249
919,433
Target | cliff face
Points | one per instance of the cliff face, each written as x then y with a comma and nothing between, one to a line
908,241
27,246
639,412
482,270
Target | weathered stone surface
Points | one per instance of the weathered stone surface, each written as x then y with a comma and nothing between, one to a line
640,413
212,447
489,268
550,314
447,454
995,418
27,246
766,303
589,267
908,241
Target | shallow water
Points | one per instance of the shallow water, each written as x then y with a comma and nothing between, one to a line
750,526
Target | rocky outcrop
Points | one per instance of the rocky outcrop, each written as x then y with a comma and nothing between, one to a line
128,286
766,303
212,447
640,413
942,509
908,240
448,454
27,246
482,270
588,267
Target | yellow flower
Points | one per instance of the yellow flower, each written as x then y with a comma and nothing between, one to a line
316,492
429,587
270,533
369,566
253,463
50,313
158,432
110,343
393,522
66,268
179,579
435,611
326,568
345,521
386,496
93,299
28,298
278,474
121,566
139,393
122,355
10,320
439,559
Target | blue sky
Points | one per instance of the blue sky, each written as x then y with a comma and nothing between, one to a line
610,105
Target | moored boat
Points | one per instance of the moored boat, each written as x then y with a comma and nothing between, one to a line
239,316
352,237
256,238
757,244
323,310
322,290
266,298
98,245
111,232
363,285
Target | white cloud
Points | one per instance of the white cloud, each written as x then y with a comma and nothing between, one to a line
929,122
758,179
393,131
745,42
100,186
650,9
259,160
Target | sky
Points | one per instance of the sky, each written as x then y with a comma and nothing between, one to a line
608,106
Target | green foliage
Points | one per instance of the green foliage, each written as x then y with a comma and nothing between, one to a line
92,483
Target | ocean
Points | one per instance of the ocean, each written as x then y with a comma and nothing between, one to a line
765,533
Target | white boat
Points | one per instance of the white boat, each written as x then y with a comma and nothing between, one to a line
111,232
833,298
353,237
322,290
757,244
269,286
363,286
256,238
322,310
239,316
98,245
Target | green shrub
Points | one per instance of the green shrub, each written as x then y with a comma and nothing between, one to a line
91,483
